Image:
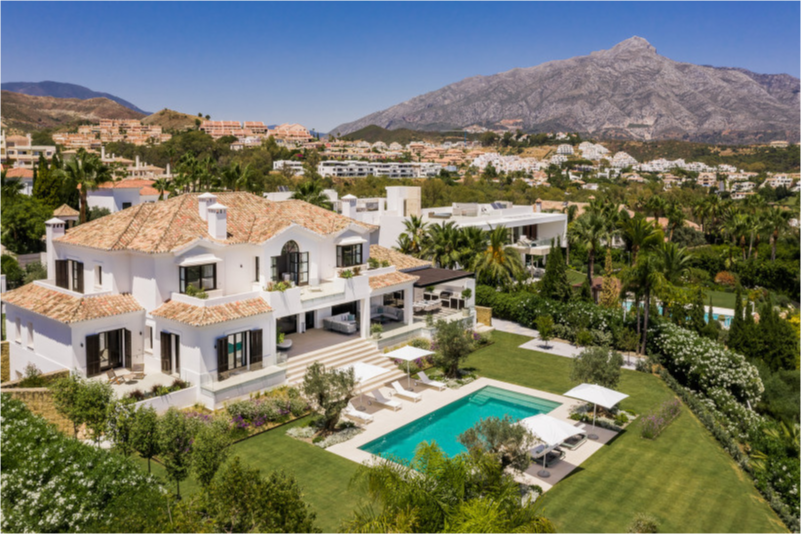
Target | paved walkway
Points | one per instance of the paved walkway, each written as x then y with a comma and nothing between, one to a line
557,348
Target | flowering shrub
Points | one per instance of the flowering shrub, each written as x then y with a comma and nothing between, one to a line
724,379
301,432
339,437
654,423
725,278
275,407
43,492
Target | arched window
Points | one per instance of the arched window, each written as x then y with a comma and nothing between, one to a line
289,248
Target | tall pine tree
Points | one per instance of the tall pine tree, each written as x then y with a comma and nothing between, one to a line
554,284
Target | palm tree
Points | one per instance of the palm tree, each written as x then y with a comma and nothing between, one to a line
676,218
590,230
417,235
736,227
572,211
777,221
473,240
161,185
11,187
88,173
312,192
674,262
640,234
657,206
499,263
444,245
646,276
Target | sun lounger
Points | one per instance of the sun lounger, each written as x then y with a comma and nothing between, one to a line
353,413
381,399
400,392
431,383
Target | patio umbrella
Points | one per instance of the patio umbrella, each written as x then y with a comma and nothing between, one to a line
363,372
597,395
551,432
408,354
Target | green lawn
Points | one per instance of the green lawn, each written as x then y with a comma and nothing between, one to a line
683,478
720,299
322,475
575,277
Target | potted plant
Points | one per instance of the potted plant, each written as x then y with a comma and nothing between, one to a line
376,331
347,274
373,263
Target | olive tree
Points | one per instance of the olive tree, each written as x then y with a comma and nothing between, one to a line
597,365
328,391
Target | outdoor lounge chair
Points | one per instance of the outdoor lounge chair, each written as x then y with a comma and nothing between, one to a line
353,413
113,378
430,383
400,392
138,371
382,400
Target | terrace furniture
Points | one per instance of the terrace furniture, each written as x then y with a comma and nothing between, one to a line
113,378
353,413
430,383
400,392
386,312
344,323
138,371
382,400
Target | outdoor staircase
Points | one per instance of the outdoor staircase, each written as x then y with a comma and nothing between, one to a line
358,350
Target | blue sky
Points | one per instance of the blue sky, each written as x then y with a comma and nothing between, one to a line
322,64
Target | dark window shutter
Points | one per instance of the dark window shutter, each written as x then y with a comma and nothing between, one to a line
178,354
62,274
78,265
222,354
127,358
92,355
255,346
166,364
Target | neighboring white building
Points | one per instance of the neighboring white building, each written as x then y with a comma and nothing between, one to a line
363,169
564,150
21,150
529,231
117,291
123,194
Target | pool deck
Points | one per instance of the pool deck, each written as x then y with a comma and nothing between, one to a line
386,420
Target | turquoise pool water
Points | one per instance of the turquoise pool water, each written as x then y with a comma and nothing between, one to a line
726,319
445,425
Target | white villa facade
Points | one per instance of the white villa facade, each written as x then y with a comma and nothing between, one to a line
118,291
363,169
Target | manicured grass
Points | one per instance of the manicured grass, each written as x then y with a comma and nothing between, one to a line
323,476
720,299
683,478
575,277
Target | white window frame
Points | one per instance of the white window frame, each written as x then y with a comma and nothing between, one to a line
98,276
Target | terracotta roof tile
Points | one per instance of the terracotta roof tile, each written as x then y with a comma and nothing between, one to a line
391,279
175,223
19,172
207,315
65,211
401,261
67,308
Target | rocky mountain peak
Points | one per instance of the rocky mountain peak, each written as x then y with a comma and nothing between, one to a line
631,46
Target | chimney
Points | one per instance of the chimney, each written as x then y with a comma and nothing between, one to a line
102,152
168,169
137,162
349,206
218,227
30,140
54,228
203,202
538,205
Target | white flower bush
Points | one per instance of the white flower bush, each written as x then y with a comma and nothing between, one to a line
340,437
54,483
726,382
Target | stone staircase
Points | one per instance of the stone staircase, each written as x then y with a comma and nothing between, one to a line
358,350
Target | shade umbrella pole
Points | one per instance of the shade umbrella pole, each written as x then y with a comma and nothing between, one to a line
408,376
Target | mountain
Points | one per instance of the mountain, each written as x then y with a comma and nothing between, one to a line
626,92
64,90
28,113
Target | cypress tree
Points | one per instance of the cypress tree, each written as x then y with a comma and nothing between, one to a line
697,312
585,293
610,290
737,328
554,284
712,327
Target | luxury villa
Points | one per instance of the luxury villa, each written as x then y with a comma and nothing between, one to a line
231,292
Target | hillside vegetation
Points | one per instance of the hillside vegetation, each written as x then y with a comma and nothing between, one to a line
373,134
30,113
170,120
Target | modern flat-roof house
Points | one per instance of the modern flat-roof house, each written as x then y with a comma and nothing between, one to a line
122,290
530,230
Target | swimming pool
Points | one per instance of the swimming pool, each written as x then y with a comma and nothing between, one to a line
718,316
445,425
